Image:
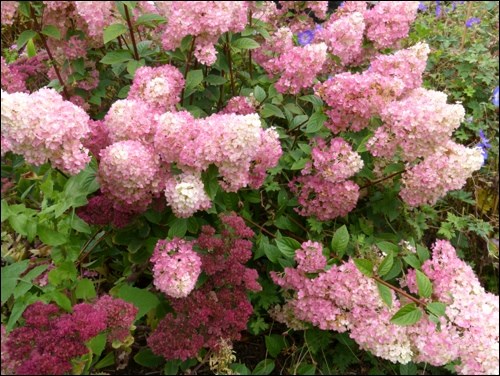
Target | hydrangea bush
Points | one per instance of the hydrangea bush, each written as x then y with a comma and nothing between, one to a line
180,175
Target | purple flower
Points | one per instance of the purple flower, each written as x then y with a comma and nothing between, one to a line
438,9
422,7
472,21
305,37
484,145
494,100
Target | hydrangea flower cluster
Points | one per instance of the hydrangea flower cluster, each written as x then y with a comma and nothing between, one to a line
160,87
323,189
97,16
176,267
220,308
446,169
100,210
120,316
343,299
185,193
418,124
41,133
206,22
234,143
9,9
12,79
389,21
129,173
98,138
240,105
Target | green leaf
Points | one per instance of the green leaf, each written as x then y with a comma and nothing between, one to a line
178,228
107,361
144,300
210,181
306,369
61,300
315,122
123,92
10,275
194,78
116,57
364,266
113,32
146,358
388,247
51,31
408,315
239,368
26,282
149,18
413,261
80,225
18,308
171,367
408,369
423,253
340,240
5,210
385,294
287,246
245,44
300,164
66,271
50,237
424,285
97,344
269,110
265,367
317,339
386,265
436,308
274,344
24,38
259,94
85,289
215,80
133,65
30,48
130,4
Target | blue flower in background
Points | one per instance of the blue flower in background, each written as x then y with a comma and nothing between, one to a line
472,21
422,7
438,8
305,37
494,100
484,144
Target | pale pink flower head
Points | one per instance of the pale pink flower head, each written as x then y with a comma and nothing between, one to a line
176,267
160,87
9,9
186,195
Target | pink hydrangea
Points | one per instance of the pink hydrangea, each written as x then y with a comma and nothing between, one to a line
279,42
389,21
129,174
130,119
176,267
120,316
12,80
160,87
98,138
74,48
324,199
355,97
335,162
344,36
206,21
445,170
97,16
310,258
240,106
9,9
41,133
101,210
408,65
419,124
186,195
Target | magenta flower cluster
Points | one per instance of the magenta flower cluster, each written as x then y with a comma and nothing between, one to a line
218,309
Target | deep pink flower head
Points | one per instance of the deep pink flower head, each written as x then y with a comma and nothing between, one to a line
120,316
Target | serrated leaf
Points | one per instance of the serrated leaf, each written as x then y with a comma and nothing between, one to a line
424,285
245,44
264,367
315,122
18,308
9,278
340,240
287,246
300,164
386,265
24,38
25,283
116,57
274,344
413,261
144,300
178,228
388,247
408,315
60,299
385,294
269,110
423,253
194,78
436,308
50,237
364,266
259,93
213,79
51,31
85,289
